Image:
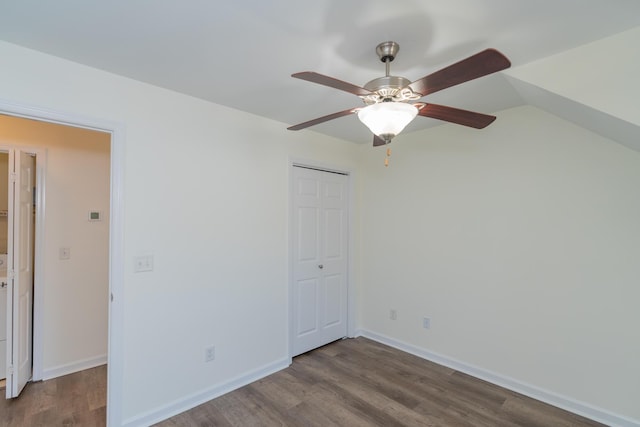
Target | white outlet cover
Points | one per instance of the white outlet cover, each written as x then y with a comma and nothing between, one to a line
210,354
426,323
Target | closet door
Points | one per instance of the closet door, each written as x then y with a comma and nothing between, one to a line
320,258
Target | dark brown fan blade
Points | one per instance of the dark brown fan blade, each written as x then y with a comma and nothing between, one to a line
481,64
377,141
455,115
323,119
321,79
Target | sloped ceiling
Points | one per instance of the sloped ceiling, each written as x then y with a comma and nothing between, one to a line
241,54
594,85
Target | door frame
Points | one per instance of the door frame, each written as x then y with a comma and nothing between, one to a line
351,279
115,346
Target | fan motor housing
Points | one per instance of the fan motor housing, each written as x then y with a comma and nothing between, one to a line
387,86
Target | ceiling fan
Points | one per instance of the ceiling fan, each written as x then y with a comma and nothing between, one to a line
391,101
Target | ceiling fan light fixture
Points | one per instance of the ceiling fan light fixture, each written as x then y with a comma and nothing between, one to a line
387,119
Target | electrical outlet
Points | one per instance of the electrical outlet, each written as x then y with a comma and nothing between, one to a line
210,354
426,323
393,314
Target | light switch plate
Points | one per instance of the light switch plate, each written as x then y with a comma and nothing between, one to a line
143,263
65,253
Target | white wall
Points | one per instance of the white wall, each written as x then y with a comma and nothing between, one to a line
205,192
521,242
75,290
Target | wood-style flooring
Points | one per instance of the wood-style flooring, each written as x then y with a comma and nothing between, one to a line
78,399
359,382
355,382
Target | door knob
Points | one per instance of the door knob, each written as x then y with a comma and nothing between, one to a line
320,266
4,285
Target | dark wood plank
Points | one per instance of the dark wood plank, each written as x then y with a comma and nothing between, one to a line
78,399
359,382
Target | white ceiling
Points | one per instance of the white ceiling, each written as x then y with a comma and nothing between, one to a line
241,54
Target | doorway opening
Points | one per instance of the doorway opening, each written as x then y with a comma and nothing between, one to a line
95,215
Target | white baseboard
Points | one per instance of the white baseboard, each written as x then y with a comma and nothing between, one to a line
70,368
191,401
563,402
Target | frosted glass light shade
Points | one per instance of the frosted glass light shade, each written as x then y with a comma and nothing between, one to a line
387,119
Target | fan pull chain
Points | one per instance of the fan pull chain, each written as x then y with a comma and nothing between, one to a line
386,160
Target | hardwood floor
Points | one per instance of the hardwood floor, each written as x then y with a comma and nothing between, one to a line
359,382
355,382
72,400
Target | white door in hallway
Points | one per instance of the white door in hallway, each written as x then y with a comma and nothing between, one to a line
20,270
320,258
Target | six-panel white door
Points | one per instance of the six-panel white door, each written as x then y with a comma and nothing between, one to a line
20,271
320,258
